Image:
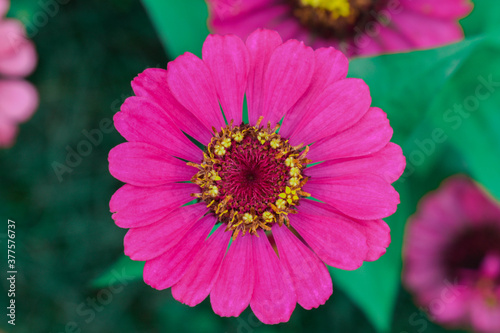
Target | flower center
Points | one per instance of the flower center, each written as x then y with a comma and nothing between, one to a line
250,177
465,256
335,18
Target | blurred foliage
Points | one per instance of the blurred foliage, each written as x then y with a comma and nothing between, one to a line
70,252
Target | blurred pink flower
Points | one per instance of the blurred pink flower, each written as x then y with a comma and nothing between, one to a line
452,256
18,98
356,27
249,178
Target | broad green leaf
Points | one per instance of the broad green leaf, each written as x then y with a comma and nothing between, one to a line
124,269
468,112
181,25
483,18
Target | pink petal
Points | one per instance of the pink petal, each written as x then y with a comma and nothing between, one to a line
228,60
18,100
261,44
370,134
227,9
445,9
199,279
17,54
425,32
234,287
330,66
4,7
150,241
8,132
378,237
337,108
193,86
152,84
393,41
245,24
484,317
388,163
167,269
274,298
276,100
142,120
458,301
364,196
309,274
332,237
135,207
141,164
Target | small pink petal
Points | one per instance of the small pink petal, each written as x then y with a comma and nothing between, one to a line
141,164
261,44
425,32
332,237
444,9
8,132
17,54
134,207
167,269
309,274
337,108
388,163
141,120
274,298
363,196
378,237
245,24
18,100
152,84
229,61
484,317
234,287
150,241
199,279
279,96
192,85
4,7
370,134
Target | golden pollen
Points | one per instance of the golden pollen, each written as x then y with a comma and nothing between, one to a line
251,177
336,18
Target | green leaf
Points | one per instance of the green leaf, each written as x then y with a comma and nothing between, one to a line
181,25
483,18
468,113
124,269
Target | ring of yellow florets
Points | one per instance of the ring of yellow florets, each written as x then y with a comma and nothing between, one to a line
287,162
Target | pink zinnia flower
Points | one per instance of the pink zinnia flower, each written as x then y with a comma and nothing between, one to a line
249,178
452,256
356,27
18,98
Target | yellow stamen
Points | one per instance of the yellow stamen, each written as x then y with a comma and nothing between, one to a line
214,191
336,7
280,203
220,150
226,142
275,143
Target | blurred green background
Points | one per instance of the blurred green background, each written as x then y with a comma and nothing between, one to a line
73,276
